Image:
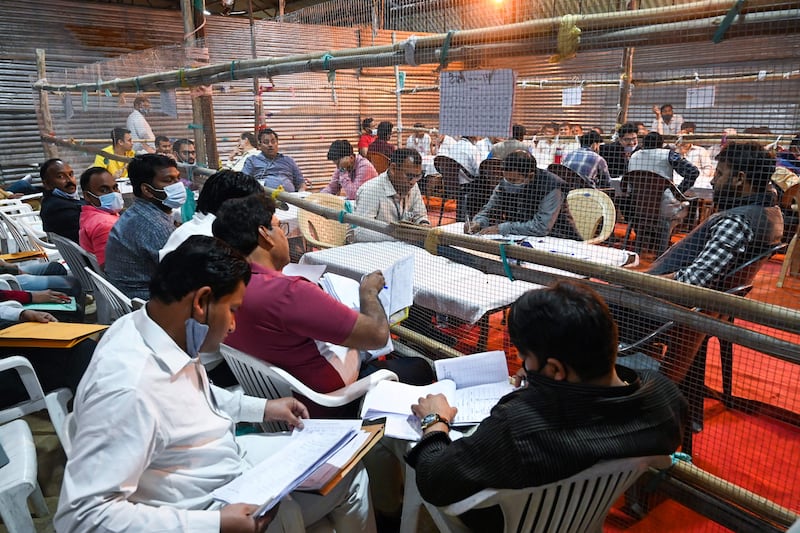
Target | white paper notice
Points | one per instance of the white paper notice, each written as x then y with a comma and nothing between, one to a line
700,97
571,96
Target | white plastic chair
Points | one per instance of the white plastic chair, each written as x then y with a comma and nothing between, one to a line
111,302
18,479
590,209
264,380
577,504
55,401
77,259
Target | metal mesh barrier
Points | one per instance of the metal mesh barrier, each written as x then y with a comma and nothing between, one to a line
660,90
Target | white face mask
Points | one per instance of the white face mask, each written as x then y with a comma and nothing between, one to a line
374,131
176,195
195,336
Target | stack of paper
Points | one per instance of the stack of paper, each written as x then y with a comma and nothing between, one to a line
269,481
472,383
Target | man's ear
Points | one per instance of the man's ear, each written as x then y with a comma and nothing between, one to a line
147,192
265,238
200,301
740,179
555,370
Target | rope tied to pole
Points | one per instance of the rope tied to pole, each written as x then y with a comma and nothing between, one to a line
326,64
445,49
504,259
233,70
569,37
182,78
719,35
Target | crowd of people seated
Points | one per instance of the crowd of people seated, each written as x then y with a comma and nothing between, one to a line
218,277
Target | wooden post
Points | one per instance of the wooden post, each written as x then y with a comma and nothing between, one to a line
398,101
258,105
43,112
626,75
281,10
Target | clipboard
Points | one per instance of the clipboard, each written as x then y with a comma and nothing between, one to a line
376,429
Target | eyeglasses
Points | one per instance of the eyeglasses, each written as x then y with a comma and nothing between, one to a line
284,227
412,178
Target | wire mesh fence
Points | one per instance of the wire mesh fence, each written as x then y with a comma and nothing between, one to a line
549,141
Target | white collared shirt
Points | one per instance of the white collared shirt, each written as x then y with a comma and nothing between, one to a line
152,439
378,200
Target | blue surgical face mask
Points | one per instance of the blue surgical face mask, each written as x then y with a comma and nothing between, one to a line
68,196
195,336
513,188
111,202
176,195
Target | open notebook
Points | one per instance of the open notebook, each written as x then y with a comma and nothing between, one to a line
472,383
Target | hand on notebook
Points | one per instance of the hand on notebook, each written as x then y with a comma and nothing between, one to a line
434,403
286,410
30,315
48,296
238,517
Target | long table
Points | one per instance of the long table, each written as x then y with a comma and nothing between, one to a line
440,285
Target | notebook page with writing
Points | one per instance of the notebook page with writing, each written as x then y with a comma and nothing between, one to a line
474,369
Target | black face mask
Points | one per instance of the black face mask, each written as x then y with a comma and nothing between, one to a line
666,118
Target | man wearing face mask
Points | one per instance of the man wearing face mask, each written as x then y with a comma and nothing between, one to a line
352,170
61,203
153,438
143,229
527,201
576,407
619,152
101,212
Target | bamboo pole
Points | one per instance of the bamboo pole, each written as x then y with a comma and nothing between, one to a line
625,77
43,111
464,43
726,490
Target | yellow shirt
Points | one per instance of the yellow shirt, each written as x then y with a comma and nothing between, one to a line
113,165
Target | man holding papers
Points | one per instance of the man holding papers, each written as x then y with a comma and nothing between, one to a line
291,322
154,439
578,408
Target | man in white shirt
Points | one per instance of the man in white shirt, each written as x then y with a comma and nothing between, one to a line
140,129
246,148
419,141
153,438
666,121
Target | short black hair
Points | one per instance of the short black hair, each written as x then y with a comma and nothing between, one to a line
44,167
663,107
795,141
238,221
689,126
567,321
250,138
118,134
200,261
224,185
628,127
385,130
652,140
400,155
87,175
176,146
367,123
752,159
589,138
140,100
520,161
161,138
339,149
518,132
265,132
142,169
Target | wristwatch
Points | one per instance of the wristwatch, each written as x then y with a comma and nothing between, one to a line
433,418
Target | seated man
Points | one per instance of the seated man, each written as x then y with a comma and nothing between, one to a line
272,168
392,197
275,324
143,229
164,146
121,145
618,153
653,157
101,212
747,223
221,186
527,201
578,408
381,144
153,438
501,150
244,149
587,163
666,121
419,140
367,137
352,170
61,204
41,276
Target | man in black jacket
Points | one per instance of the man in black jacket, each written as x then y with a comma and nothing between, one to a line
61,204
577,409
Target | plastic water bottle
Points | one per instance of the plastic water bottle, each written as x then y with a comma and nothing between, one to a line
557,157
